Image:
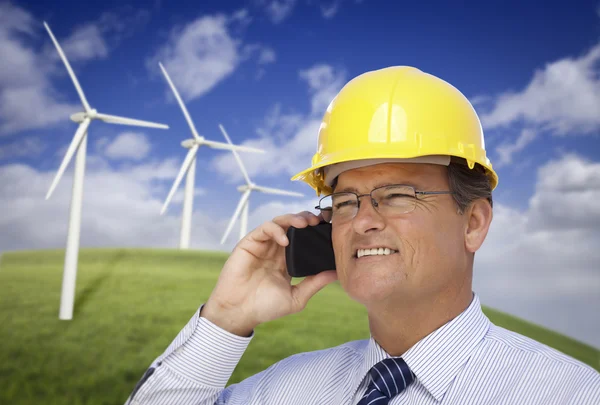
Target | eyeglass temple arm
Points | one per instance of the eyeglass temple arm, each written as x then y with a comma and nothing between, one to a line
433,192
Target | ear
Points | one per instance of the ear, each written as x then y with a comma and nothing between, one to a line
479,218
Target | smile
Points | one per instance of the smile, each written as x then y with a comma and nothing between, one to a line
375,252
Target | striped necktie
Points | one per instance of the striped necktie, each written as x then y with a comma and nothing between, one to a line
388,378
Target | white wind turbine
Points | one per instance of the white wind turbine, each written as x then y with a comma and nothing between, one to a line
79,144
189,167
247,189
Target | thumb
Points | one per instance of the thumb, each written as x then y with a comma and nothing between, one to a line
304,291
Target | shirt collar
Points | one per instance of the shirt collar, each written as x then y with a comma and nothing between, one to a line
436,359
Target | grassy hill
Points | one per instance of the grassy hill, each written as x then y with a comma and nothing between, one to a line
130,304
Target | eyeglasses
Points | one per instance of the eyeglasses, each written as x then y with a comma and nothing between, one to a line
389,201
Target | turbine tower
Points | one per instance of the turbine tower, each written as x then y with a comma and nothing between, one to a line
79,145
189,166
247,189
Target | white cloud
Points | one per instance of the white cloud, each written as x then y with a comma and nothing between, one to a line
567,196
242,16
279,10
30,147
480,99
324,83
19,62
120,208
563,98
199,56
122,22
264,55
507,150
542,263
279,125
85,43
267,55
205,52
331,9
178,196
28,99
127,145
24,77
289,139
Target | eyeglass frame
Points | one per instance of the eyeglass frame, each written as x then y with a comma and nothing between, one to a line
375,203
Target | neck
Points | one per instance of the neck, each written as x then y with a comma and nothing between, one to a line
396,328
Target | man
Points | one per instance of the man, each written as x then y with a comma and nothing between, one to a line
403,154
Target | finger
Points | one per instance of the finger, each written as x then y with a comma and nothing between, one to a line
288,219
269,231
299,220
307,288
311,218
320,217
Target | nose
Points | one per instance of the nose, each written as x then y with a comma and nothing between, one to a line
367,218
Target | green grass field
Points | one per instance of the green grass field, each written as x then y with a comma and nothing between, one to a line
130,304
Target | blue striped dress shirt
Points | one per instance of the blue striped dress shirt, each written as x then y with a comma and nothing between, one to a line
469,360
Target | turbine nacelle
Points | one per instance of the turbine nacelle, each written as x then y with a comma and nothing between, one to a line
246,187
190,143
80,116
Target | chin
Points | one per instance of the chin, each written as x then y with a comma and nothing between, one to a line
371,287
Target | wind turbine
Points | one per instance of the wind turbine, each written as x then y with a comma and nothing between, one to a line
189,167
247,189
79,145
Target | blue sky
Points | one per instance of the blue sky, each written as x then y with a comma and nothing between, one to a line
267,70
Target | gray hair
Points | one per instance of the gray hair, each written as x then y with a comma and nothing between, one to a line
468,184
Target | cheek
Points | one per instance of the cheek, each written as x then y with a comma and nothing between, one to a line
427,242
340,243
437,242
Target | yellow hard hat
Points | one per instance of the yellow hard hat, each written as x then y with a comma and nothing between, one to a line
396,114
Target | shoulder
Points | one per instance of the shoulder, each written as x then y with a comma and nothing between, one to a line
526,356
522,346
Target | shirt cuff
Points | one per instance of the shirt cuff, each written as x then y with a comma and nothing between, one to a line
209,356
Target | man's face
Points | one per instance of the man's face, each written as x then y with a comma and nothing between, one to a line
430,256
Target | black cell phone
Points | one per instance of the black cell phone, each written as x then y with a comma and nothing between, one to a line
310,250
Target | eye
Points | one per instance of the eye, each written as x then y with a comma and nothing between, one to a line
342,204
397,199
398,195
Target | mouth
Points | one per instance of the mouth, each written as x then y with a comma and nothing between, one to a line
374,252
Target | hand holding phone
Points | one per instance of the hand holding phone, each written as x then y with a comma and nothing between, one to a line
254,286
310,250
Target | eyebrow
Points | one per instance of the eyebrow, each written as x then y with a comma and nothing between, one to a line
355,190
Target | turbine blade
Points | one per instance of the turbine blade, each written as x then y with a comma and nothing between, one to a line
226,146
236,214
186,114
237,157
115,119
66,62
184,168
79,134
269,190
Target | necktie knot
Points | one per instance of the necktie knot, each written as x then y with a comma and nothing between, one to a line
389,377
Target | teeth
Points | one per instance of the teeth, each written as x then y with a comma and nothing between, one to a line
374,252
